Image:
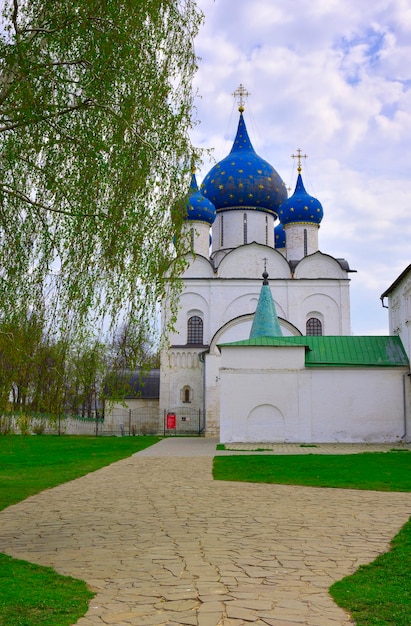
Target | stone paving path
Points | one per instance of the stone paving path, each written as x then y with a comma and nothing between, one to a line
163,544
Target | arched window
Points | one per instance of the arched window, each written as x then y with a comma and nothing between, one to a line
195,330
186,394
314,328
222,231
245,228
305,242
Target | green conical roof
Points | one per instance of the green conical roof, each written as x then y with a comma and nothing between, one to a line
265,322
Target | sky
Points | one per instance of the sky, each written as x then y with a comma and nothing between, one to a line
332,78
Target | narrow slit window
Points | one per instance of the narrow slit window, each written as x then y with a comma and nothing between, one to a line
186,395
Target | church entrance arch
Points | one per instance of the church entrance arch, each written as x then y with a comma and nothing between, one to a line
266,423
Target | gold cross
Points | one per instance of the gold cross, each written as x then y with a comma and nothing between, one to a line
241,93
299,156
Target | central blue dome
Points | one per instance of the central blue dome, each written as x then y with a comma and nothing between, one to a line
243,180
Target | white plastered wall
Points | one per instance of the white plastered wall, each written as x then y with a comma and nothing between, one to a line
266,394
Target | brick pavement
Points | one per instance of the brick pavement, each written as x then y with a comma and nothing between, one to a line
163,544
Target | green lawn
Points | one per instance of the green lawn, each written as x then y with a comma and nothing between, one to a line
389,471
31,595
378,594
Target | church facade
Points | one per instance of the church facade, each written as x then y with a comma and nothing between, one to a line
275,386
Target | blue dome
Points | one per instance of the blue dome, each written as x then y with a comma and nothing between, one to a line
243,179
279,236
198,208
300,207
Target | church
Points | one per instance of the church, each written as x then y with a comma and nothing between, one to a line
262,345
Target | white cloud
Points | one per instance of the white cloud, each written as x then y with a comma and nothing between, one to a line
333,78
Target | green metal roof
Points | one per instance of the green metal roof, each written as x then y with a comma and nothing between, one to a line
265,322
337,351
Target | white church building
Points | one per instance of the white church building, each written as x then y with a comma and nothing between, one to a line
296,374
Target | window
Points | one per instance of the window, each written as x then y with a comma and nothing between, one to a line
306,247
192,239
186,394
266,230
314,328
245,228
222,231
195,330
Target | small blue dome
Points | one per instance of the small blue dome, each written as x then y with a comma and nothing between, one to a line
199,208
300,207
279,236
243,179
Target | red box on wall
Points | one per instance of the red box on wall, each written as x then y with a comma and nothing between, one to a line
171,421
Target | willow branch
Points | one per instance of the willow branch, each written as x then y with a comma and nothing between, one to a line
38,205
43,118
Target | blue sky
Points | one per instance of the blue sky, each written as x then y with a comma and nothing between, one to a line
332,77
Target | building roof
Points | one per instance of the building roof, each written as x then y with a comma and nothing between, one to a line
396,282
336,351
198,208
244,180
136,384
300,207
265,322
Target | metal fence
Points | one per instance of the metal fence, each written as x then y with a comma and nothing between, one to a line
179,420
182,420
29,423
152,421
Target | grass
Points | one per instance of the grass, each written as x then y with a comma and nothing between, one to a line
378,594
31,595
380,471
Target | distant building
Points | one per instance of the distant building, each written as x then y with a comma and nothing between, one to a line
399,305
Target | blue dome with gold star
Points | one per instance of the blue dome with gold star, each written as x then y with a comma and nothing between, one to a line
279,236
243,180
199,208
301,207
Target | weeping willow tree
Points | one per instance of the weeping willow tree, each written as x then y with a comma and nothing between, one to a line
95,107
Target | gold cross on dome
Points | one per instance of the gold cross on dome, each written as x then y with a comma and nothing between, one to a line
299,156
241,93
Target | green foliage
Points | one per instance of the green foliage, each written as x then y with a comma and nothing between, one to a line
95,105
388,471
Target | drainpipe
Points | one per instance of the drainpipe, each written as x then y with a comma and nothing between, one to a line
404,397
201,358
